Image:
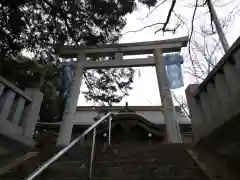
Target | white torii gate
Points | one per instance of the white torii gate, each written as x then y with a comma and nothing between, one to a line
157,48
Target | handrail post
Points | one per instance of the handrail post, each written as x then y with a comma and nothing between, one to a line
92,152
109,130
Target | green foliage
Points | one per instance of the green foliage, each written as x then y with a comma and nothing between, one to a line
39,25
45,138
112,85
149,3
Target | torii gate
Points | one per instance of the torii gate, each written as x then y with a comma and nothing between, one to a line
157,48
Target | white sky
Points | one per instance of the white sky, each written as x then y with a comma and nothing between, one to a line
145,89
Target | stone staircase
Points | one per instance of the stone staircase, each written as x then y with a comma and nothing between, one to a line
147,162
129,161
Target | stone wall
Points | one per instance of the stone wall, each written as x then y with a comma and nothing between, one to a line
221,149
19,112
217,99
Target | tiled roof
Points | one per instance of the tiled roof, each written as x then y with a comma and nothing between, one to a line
119,108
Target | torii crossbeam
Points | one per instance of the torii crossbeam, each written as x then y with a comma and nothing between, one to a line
157,48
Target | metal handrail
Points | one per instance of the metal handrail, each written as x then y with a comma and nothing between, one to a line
45,165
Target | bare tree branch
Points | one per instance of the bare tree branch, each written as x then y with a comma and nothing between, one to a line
191,34
148,26
154,9
180,104
173,30
164,27
168,16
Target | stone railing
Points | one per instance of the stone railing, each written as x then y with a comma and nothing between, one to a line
19,112
217,98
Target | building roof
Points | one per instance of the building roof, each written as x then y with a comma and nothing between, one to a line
119,108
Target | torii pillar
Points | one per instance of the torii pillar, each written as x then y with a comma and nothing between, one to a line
170,118
66,126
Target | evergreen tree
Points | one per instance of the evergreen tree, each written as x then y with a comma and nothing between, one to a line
38,25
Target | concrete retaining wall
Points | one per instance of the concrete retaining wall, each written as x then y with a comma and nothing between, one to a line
19,112
217,98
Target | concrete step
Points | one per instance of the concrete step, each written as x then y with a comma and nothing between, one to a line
109,178
150,147
144,178
141,161
163,162
143,154
176,157
151,171
159,149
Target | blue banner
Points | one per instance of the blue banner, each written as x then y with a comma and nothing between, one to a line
68,75
173,59
172,64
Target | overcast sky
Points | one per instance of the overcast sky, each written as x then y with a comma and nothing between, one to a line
145,88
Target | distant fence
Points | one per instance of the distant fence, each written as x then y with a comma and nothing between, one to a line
19,111
217,98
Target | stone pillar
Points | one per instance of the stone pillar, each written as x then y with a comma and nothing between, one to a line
223,92
6,102
17,110
1,88
196,113
232,74
216,107
207,113
170,118
31,112
236,57
66,126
